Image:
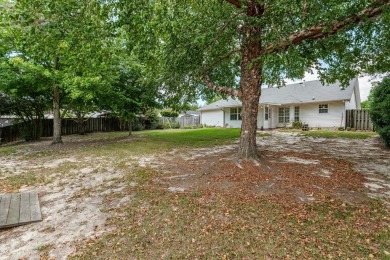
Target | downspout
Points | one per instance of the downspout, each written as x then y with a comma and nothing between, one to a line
223,120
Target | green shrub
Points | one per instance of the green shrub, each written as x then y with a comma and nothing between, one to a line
176,125
341,129
297,125
379,108
153,120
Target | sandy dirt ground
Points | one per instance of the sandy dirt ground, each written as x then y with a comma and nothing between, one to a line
75,205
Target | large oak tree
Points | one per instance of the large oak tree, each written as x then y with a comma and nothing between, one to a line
235,46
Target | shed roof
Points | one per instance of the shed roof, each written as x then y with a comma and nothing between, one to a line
297,93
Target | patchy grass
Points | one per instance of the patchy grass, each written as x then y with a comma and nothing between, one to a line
159,224
42,247
7,150
262,134
202,223
117,144
16,181
334,134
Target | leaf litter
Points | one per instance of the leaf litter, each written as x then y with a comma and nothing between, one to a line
298,174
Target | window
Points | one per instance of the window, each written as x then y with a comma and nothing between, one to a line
323,109
235,113
284,114
296,113
266,113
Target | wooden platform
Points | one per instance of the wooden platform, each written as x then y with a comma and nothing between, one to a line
19,209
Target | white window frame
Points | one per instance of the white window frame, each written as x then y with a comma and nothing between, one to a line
284,115
323,109
266,113
297,111
235,114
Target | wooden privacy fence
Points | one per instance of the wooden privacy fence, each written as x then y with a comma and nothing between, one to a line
186,120
358,119
9,134
68,127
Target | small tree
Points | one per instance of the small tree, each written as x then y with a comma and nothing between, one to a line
364,104
23,93
379,107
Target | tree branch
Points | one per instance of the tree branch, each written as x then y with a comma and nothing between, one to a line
223,90
223,58
235,2
322,30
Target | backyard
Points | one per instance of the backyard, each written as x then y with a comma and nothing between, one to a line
182,194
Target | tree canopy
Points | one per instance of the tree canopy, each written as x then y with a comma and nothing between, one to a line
83,56
137,54
233,47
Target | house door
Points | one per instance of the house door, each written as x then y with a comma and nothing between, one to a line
267,117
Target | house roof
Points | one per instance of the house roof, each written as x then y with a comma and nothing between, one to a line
230,102
297,93
6,122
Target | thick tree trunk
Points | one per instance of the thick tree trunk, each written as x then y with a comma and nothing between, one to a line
250,86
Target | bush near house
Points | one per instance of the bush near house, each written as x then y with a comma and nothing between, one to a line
379,107
297,125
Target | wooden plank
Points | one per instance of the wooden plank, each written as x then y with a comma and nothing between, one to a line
14,210
364,120
4,208
25,209
35,209
19,209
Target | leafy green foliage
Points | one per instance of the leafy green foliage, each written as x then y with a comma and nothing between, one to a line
24,93
169,113
297,124
364,105
66,44
379,107
233,47
187,38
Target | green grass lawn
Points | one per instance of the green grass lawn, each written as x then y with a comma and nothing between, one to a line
334,134
192,138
